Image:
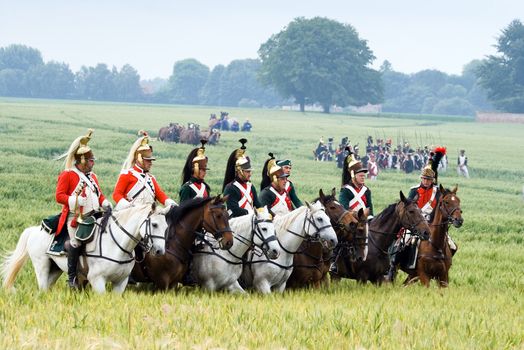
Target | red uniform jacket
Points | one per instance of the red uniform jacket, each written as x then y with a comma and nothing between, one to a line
67,183
127,180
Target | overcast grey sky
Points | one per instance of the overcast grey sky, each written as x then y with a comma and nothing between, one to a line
152,35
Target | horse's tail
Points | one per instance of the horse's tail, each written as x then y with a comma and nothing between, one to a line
14,261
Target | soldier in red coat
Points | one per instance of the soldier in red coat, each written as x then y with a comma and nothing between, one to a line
80,195
136,184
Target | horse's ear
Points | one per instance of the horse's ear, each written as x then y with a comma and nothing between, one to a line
402,197
441,188
224,199
334,192
360,213
321,195
455,189
308,205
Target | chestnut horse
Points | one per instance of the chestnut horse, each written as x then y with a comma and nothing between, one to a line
311,262
434,255
382,232
185,222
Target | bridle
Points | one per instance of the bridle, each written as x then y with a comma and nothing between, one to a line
306,227
215,230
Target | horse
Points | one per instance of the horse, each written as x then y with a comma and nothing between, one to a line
220,269
382,232
185,222
212,136
307,221
191,135
311,263
109,256
434,255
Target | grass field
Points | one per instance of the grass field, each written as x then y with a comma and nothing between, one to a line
482,308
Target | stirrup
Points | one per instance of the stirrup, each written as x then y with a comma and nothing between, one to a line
333,268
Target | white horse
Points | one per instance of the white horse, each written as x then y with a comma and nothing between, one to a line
218,269
110,255
309,221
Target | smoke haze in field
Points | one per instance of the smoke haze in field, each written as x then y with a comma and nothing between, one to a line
152,35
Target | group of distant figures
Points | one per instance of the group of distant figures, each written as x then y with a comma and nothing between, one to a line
381,155
191,134
225,123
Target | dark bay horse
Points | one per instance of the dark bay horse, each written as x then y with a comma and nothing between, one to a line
383,231
434,255
184,223
311,262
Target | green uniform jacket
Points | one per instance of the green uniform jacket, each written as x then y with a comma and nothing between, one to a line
293,196
186,192
268,197
346,196
235,196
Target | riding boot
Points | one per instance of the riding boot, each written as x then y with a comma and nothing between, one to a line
333,268
391,273
72,264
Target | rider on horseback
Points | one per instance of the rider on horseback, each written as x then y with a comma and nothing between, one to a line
193,175
242,195
427,195
273,186
354,195
290,188
135,183
80,194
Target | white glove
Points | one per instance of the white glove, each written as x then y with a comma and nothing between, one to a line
72,201
170,203
107,205
122,204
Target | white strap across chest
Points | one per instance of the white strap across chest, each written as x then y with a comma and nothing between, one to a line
427,208
199,191
246,199
357,202
145,183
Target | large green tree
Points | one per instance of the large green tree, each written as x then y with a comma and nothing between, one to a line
188,78
503,75
320,60
19,57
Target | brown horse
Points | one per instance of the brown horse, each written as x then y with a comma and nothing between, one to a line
382,232
191,135
434,255
311,262
184,223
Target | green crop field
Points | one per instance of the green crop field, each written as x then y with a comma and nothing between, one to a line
483,308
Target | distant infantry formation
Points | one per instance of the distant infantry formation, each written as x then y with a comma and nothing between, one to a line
243,238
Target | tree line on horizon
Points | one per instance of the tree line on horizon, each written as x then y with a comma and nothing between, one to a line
311,61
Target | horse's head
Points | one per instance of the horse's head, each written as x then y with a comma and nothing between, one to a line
317,224
450,206
264,233
411,217
350,227
154,232
216,221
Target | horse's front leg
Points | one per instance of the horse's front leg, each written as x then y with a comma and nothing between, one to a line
235,288
98,284
424,279
120,287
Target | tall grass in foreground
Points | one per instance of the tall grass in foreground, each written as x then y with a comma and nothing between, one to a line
482,308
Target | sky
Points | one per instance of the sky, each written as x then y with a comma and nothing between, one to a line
152,35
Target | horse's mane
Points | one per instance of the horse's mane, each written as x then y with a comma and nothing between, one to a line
176,214
124,215
241,223
384,214
283,221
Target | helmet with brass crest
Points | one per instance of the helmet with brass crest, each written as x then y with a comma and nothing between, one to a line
351,167
140,150
271,172
195,161
237,164
79,152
